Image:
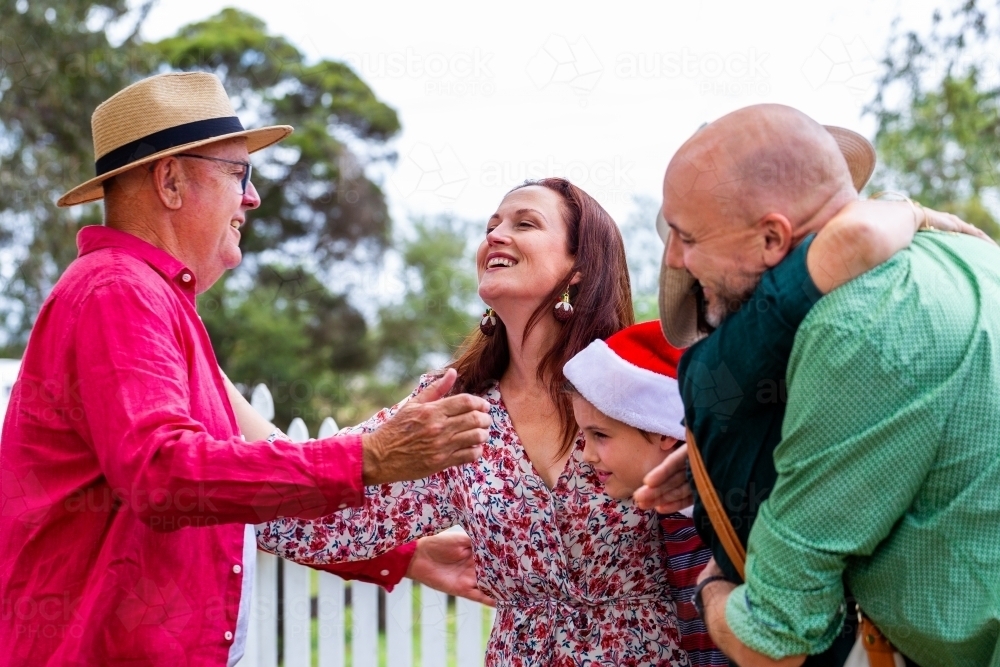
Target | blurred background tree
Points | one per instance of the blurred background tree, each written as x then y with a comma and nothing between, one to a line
643,254
284,317
56,66
435,316
936,105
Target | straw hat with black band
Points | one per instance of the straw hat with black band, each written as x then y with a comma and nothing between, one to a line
161,116
678,288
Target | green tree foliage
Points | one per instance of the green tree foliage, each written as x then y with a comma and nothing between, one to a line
937,111
644,254
57,64
287,330
282,318
437,312
313,188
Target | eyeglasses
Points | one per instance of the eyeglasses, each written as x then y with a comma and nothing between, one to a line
248,168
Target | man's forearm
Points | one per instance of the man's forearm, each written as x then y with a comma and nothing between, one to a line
714,598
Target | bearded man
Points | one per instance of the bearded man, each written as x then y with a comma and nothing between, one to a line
890,447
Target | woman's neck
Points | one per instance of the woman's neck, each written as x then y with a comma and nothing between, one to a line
526,353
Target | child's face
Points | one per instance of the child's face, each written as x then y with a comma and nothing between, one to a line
618,452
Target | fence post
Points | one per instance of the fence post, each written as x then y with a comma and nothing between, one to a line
364,624
297,607
399,625
262,633
469,631
265,604
433,628
330,619
327,428
262,401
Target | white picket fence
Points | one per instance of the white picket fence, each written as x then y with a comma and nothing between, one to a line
328,609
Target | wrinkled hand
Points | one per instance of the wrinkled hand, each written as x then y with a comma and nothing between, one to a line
666,487
948,222
445,563
429,433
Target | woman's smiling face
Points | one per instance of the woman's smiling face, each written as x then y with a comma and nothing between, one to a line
525,254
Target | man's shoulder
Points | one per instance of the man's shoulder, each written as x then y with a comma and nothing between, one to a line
940,279
106,268
916,314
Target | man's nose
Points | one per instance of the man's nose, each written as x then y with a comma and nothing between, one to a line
251,199
674,252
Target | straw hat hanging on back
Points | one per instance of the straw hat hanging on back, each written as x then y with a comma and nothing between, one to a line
678,300
161,116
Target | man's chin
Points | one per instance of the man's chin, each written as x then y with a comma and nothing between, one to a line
233,260
716,310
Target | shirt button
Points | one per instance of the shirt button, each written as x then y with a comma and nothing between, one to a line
186,277
237,569
229,636
384,573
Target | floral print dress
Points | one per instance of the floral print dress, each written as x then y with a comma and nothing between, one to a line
579,577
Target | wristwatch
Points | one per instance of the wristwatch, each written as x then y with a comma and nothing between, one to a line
699,604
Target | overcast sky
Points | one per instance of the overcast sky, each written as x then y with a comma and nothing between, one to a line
489,95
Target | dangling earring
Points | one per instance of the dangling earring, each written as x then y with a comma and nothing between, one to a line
488,325
563,308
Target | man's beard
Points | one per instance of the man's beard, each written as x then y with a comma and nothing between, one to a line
730,297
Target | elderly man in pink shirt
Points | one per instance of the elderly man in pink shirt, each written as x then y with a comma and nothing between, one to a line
126,490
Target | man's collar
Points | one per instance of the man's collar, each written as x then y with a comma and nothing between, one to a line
99,237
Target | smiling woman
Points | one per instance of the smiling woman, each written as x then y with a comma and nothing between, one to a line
579,577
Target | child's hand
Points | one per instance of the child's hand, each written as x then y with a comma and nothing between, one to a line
666,487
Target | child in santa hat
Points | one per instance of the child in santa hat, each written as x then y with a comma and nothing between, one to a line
627,404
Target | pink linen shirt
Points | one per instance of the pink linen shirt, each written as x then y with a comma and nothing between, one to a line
125,487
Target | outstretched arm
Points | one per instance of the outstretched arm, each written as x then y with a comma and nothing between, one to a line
392,514
866,233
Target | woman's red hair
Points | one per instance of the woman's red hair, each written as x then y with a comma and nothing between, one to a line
602,305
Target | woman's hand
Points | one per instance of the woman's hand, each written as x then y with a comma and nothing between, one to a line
446,563
949,222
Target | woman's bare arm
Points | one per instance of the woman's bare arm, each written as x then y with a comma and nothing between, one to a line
252,425
866,233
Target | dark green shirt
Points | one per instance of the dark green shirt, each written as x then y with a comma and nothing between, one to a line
888,465
733,386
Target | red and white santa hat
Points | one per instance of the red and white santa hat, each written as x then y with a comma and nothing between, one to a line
632,377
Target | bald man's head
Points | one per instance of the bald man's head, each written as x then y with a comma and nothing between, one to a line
761,158
743,191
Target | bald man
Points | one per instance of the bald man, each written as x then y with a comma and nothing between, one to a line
890,454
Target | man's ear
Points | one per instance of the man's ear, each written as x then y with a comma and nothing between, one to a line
169,181
777,233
